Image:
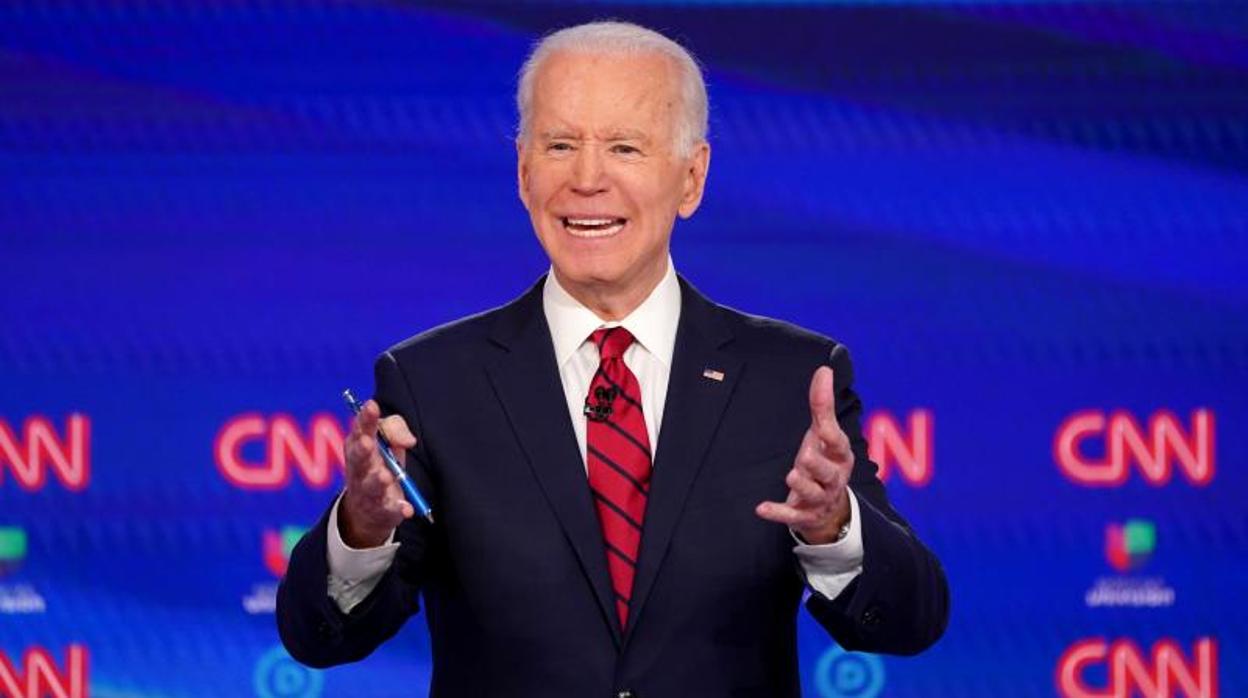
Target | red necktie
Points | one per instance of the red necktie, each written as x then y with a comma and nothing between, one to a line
618,455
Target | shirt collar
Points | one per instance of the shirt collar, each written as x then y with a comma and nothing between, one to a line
652,324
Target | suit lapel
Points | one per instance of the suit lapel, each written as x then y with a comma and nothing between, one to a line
694,405
526,380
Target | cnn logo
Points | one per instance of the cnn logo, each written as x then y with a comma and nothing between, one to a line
283,447
1163,673
1156,450
37,449
902,448
39,677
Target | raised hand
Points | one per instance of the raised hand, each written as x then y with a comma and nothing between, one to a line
817,506
373,504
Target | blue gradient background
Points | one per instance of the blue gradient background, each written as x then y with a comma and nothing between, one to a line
1009,211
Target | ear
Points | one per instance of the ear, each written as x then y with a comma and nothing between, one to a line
695,179
522,171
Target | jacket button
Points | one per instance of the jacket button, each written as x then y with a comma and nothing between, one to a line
625,694
871,617
324,631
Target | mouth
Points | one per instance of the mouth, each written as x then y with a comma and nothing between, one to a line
592,227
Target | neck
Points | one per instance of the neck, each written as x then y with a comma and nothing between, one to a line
613,302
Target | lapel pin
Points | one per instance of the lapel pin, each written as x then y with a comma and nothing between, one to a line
714,375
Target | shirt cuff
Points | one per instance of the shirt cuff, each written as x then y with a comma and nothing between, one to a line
354,572
830,567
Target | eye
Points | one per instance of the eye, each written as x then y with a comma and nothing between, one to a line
559,147
624,149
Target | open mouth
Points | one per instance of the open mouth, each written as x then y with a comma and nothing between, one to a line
582,227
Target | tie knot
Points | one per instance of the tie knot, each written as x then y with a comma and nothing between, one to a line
611,342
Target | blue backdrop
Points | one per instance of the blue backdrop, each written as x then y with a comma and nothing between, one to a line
1029,220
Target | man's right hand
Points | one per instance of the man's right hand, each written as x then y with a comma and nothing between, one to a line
373,505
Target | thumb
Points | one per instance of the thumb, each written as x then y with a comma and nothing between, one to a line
822,400
397,432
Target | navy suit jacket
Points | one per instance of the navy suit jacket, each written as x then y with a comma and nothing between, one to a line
513,575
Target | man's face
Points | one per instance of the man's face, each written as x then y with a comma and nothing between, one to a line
600,173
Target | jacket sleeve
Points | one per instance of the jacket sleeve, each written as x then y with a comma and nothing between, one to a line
900,602
312,627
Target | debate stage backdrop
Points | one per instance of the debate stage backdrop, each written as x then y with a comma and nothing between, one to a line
1028,220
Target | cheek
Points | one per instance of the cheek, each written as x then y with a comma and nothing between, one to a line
655,203
538,181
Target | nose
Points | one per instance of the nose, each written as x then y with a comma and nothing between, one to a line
588,177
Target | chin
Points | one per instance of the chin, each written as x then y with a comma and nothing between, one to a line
590,274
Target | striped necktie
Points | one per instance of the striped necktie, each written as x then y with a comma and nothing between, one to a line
618,456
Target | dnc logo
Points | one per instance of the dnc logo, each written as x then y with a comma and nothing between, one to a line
278,676
841,674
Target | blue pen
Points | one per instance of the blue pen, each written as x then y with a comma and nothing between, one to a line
383,445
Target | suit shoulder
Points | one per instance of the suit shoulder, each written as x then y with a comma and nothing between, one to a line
451,338
772,336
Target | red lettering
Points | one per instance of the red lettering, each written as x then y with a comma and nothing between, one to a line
908,451
1071,664
1166,673
1154,450
40,676
41,449
316,454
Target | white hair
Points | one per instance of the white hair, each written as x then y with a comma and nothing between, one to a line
623,38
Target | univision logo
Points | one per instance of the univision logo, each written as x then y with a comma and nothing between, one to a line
12,548
277,546
1130,545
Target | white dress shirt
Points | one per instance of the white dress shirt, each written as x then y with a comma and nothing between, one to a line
829,568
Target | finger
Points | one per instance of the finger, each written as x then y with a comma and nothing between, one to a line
370,489
809,446
808,492
398,509
812,461
829,437
378,483
362,456
356,452
836,444
368,418
832,442
822,400
360,444
397,433
786,514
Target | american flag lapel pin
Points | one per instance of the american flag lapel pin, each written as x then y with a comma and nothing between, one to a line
717,376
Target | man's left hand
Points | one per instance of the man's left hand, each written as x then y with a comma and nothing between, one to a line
818,505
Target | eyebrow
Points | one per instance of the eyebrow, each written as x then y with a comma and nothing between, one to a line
610,136
626,135
552,135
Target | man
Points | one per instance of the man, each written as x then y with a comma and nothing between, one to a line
631,484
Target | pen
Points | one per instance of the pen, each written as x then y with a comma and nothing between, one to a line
383,445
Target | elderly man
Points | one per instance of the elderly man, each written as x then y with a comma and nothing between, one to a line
632,484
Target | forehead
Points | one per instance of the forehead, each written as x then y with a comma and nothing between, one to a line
592,91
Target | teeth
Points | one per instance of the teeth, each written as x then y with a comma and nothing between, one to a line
593,227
